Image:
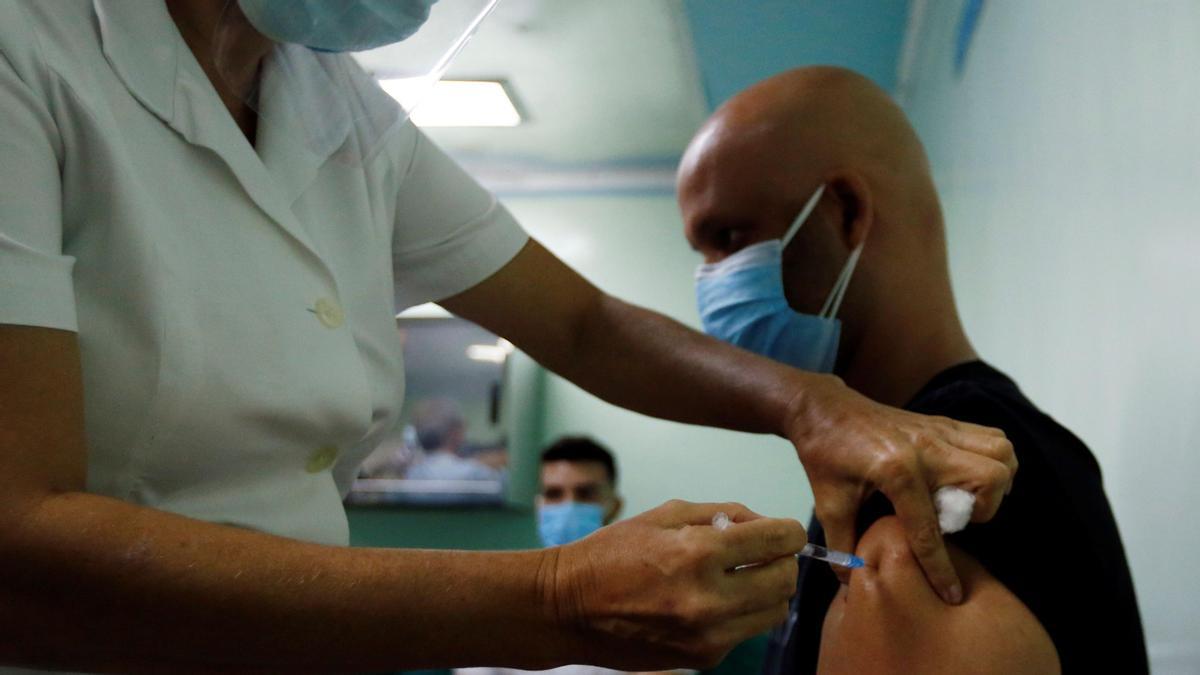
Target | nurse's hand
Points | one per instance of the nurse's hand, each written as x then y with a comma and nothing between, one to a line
659,590
851,446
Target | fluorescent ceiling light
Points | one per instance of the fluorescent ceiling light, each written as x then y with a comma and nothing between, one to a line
425,311
496,353
454,103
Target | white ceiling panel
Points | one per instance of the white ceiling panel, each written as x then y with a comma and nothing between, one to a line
598,82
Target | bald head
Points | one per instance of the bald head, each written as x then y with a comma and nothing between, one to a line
749,170
776,141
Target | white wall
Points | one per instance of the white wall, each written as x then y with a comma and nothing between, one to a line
633,247
1068,158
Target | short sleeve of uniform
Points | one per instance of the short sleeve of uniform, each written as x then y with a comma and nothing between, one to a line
35,277
450,232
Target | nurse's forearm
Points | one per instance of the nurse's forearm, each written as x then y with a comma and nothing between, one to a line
633,357
647,362
88,582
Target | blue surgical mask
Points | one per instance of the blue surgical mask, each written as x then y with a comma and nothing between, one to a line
337,25
742,302
566,522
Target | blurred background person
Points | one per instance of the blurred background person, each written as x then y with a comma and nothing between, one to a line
578,492
441,431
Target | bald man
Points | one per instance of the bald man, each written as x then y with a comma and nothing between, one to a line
1046,584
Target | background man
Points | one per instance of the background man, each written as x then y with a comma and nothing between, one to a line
579,490
441,431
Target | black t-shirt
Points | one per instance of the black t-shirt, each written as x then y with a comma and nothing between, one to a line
1053,543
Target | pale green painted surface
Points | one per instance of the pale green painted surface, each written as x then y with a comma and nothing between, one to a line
1069,164
470,529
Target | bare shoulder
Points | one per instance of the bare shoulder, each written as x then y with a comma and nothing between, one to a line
888,620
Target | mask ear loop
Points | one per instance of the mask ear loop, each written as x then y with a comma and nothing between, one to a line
834,302
803,216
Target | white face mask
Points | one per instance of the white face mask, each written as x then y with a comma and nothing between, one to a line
742,302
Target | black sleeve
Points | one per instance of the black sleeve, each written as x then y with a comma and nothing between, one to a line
1054,541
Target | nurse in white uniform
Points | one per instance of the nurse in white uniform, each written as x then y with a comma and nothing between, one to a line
197,349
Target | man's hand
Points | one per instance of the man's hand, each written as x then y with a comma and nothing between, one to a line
851,446
659,590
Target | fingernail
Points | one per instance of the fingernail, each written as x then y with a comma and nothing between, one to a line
954,595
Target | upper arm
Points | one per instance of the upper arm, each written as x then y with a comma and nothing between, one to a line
536,301
449,233
888,619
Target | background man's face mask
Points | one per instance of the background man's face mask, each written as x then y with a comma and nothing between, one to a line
337,25
741,301
566,522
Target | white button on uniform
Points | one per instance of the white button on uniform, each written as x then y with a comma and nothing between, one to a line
321,459
329,313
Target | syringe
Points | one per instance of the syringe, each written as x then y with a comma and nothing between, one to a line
721,521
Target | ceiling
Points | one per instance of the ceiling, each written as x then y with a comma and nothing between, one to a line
612,91
599,83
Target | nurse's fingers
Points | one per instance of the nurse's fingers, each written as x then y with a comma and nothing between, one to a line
678,513
986,478
989,442
762,540
914,508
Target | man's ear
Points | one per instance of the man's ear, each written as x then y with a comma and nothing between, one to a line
854,197
614,510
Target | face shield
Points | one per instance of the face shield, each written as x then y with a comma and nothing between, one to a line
343,74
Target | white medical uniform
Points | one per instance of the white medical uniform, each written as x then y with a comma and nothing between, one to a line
234,305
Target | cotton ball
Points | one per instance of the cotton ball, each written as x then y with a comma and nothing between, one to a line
954,506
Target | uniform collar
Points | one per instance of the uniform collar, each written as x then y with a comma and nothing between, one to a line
142,43
302,111
303,119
